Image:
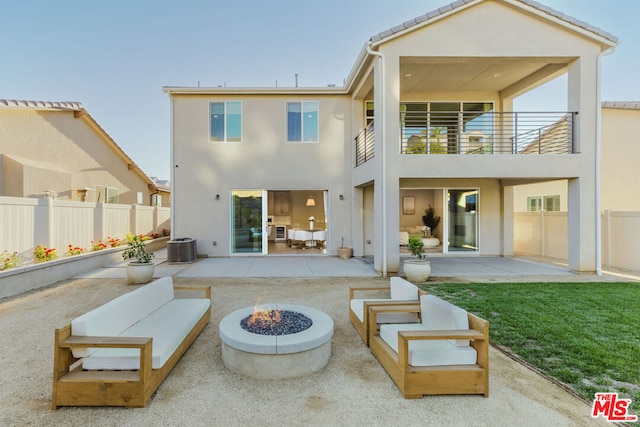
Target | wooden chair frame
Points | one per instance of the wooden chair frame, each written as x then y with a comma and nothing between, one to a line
415,382
73,386
363,327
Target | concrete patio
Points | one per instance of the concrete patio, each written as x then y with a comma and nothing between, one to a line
463,268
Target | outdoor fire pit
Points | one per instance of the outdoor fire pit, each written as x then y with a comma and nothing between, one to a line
276,341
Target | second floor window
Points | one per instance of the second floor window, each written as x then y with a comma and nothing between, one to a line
225,121
302,121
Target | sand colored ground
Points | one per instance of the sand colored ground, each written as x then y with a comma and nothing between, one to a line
352,390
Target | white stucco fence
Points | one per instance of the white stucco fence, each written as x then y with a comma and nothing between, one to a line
28,222
545,234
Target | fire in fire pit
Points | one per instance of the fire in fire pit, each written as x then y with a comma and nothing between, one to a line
275,322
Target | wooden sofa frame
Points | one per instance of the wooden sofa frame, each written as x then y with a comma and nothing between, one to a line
73,386
363,327
417,381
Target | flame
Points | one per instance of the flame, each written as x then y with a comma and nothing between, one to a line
262,317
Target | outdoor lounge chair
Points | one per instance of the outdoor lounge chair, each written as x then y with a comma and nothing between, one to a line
401,292
447,353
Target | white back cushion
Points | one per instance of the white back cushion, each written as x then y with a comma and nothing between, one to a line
403,290
438,314
120,313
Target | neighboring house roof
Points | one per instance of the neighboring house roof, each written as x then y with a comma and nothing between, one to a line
78,112
551,139
162,184
622,105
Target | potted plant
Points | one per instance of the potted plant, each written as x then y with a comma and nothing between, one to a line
344,252
430,221
417,270
140,267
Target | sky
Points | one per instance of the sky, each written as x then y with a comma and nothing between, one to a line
114,56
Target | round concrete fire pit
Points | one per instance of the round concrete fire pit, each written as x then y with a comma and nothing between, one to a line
276,356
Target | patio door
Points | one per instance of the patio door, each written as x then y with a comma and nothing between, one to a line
248,222
462,220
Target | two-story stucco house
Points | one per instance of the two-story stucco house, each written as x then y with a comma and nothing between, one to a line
425,118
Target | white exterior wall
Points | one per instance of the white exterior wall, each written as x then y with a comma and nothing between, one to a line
263,160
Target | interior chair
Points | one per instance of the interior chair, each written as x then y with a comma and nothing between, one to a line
320,237
304,237
291,236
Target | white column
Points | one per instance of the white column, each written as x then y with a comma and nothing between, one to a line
507,220
583,218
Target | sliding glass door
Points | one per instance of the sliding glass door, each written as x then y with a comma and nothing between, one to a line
462,220
248,222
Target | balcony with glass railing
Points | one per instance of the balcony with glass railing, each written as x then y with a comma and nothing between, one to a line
477,133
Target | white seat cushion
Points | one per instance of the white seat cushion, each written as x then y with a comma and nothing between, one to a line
168,326
404,238
117,315
429,353
357,306
389,333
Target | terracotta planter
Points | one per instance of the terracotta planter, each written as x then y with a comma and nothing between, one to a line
140,273
344,253
417,270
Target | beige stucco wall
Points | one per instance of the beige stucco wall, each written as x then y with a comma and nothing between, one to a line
619,161
52,150
549,188
620,151
263,160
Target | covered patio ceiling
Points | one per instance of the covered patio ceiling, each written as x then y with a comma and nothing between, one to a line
512,76
422,74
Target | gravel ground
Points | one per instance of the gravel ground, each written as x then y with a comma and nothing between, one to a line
352,390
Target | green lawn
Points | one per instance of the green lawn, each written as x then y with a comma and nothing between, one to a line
586,335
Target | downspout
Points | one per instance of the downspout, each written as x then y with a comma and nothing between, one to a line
172,220
383,156
151,196
597,165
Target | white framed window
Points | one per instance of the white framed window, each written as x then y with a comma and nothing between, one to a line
546,203
552,203
225,121
107,194
302,121
139,198
368,112
534,203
